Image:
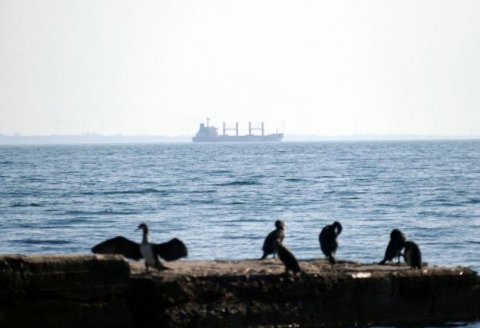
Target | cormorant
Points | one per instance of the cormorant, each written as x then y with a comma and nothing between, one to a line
271,239
395,246
328,240
412,255
169,251
287,258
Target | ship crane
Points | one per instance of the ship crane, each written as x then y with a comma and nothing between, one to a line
261,128
225,129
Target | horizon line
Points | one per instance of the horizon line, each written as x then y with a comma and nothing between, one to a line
95,138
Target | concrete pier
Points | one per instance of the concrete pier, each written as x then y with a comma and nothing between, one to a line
108,291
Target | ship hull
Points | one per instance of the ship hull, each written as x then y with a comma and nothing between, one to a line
248,138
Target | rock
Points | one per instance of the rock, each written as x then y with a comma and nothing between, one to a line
104,291
64,291
220,294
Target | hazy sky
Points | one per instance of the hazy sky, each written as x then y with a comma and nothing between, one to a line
317,67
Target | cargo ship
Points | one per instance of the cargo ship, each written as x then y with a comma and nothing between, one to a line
207,133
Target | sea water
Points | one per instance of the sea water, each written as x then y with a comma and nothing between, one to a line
222,199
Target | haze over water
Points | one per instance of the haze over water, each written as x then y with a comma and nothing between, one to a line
222,199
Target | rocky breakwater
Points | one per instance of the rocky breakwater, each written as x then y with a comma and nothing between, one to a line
257,293
107,291
64,291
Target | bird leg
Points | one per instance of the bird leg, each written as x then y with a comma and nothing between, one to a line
331,259
159,266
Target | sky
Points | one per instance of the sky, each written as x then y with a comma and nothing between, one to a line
329,68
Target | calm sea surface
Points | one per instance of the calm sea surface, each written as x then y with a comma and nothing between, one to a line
222,199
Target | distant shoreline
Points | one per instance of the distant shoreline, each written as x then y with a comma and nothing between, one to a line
124,139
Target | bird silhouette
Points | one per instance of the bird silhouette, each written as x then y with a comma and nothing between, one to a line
328,240
169,251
